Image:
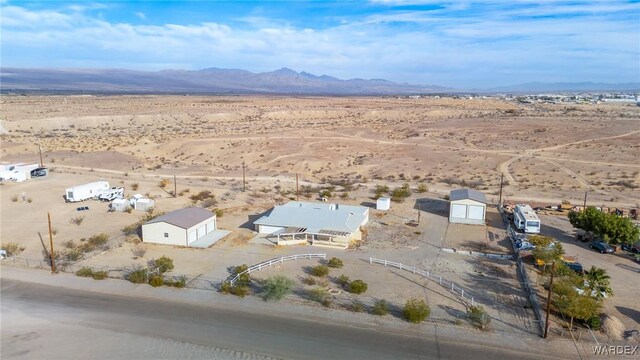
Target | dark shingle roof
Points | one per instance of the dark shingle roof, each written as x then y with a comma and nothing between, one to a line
184,218
461,194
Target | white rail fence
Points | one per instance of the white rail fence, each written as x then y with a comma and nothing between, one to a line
272,262
449,285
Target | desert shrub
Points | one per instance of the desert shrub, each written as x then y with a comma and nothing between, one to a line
326,193
401,193
133,239
225,287
309,280
137,276
356,306
327,302
163,183
416,310
134,186
318,294
245,278
380,307
99,275
98,240
334,262
343,280
156,280
85,272
277,287
77,220
180,282
12,248
29,200
344,195
422,188
218,212
239,290
594,323
202,196
478,315
14,198
128,210
73,254
320,270
357,287
163,264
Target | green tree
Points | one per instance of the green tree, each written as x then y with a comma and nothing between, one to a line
597,283
546,249
570,303
277,287
610,227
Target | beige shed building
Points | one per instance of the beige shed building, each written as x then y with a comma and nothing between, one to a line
184,227
467,207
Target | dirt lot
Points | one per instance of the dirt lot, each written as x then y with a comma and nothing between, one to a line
546,152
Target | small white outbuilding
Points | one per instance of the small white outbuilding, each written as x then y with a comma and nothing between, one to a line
119,204
467,207
185,227
383,203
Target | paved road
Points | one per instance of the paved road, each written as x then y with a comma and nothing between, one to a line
41,321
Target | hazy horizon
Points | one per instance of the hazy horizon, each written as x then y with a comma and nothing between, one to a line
460,44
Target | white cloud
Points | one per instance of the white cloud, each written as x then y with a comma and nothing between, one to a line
140,15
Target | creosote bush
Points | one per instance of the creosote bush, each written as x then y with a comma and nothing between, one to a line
138,276
84,272
478,315
320,270
343,280
12,248
357,287
240,290
276,287
163,264
318,294
416,310
380,307
244,279
356,306
334,262
309,280
156,280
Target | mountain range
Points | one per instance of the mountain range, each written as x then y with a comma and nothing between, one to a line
237,81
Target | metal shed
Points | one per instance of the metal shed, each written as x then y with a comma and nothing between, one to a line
467,207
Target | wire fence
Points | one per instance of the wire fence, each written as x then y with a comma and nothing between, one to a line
272,262
449,285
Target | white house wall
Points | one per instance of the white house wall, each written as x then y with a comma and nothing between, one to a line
467,211
154,233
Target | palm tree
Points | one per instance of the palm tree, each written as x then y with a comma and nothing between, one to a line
597,283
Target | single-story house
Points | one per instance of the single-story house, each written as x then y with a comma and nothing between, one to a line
467,206
185,227
299,222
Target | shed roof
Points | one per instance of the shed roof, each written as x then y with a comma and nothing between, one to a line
184,218
463,194
316,216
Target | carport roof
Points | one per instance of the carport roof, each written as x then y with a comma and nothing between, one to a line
184,218
463,194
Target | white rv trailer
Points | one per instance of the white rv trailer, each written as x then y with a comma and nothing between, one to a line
116,192
86,191
525,219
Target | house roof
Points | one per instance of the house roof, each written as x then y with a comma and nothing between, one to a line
463,194
316,216
184,218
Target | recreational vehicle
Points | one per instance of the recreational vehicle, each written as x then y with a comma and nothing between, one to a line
112,194
86,191
525,219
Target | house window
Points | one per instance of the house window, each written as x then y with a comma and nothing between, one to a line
166,235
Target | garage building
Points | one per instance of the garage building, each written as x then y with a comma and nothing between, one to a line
467,207
185,227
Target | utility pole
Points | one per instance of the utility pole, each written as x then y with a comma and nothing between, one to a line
40,151
53,264
501,182
585,201
175,187
546,323
297,189
244,181
419,208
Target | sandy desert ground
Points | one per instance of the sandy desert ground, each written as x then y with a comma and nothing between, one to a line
547,152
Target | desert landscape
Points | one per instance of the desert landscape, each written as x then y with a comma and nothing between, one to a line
162,146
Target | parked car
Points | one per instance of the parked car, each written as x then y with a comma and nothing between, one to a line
602,247
634,248
39,172
575,266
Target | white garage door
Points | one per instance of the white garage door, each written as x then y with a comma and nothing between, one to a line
202,231
459,211
211,226
476,212
192,236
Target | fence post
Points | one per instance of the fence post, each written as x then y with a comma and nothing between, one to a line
462,293
440,281
385,263
414,269
370,260
452,286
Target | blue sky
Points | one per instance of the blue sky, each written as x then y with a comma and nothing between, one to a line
463,43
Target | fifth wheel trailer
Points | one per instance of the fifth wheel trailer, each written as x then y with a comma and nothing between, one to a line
525,219
86,191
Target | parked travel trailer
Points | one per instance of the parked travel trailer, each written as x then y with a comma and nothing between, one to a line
525,219
86,191
112,194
